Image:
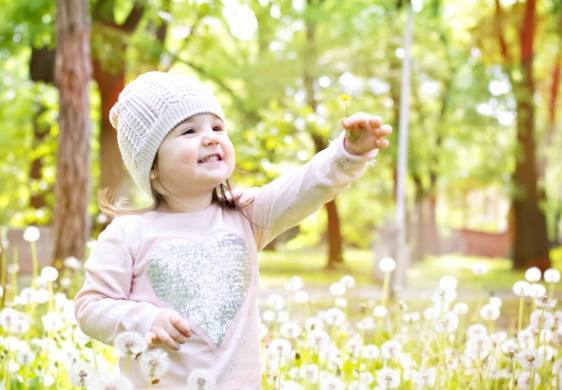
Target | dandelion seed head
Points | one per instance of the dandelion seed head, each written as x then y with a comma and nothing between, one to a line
337,289
541,319
294,284
154,363
201,379
391,349
129,344
112,382
387,264
388,378
489,312
301,297
348,281
380,311
31,234
529,359
533,274
521,288
275,301
49,274
551,276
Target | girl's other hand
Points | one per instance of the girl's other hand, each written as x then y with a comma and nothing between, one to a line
365,132
170,329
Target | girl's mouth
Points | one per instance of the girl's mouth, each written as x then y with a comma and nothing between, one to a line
210,159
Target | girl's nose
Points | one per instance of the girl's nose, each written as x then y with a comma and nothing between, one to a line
210,137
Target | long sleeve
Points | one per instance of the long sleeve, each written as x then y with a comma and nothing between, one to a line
284,202
102,306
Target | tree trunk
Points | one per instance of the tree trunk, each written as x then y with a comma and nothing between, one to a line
112,171
530,241
41,69
72,75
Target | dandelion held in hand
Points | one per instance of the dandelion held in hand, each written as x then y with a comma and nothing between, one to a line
354,134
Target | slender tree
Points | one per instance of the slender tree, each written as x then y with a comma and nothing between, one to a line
72,76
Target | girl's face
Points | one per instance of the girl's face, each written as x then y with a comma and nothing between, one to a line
194,158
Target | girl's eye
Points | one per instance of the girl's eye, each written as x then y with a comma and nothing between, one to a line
218,128
188,131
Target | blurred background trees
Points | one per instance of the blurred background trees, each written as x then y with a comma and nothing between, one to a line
485,137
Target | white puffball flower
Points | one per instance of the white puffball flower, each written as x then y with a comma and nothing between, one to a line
52,322
443,296
425,377
294,284
533,274
49,274
111,382
201,379
521,288
334,316
541,319
318,338
369,351
537,290
290,330
509,347
387,264
31,234
448,323
380,311
275,301
341,303
81,374
497,302
448,282
480,269
388,378
268,316
130,344
337,289
391,349
348,281
460,308
530,359
524,380
154,363
301,296
552,276
490,312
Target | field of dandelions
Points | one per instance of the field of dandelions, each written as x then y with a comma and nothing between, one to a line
444,343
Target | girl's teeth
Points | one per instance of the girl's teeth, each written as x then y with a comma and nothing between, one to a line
211,159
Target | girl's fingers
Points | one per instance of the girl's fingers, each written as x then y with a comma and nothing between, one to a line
385,130
181,325
150,338
382,143
166,339
375,121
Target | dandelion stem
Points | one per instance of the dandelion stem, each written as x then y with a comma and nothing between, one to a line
35,263
520,315
385,288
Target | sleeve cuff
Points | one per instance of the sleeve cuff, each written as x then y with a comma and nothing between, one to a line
348,161
145,317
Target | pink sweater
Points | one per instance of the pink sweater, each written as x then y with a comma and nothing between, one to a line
203,264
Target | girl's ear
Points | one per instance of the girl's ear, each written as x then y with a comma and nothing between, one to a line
152,175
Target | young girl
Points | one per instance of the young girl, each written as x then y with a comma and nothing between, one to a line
184,273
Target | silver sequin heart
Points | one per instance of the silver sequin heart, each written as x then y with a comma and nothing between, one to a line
205,281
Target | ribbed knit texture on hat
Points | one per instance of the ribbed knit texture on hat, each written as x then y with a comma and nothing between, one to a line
147,109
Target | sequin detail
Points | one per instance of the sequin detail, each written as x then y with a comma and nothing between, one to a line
204,281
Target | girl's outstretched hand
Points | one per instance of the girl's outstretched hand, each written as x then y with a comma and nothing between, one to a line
365,132
168,328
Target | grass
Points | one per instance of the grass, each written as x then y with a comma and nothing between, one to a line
276,268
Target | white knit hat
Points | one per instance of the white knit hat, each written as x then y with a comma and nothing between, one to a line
147,109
